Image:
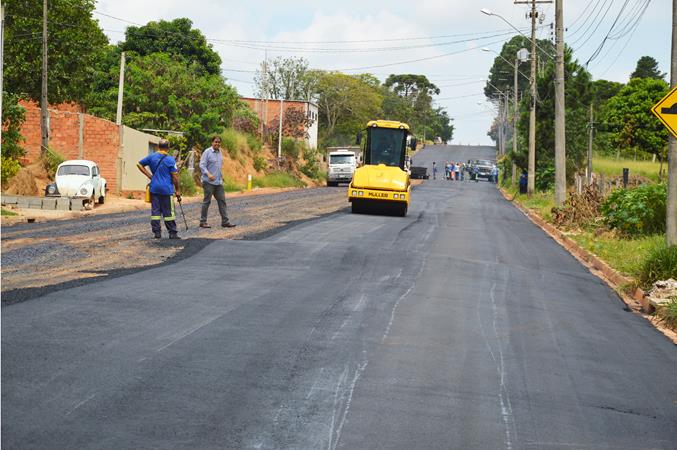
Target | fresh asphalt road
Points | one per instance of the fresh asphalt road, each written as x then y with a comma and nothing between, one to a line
461,325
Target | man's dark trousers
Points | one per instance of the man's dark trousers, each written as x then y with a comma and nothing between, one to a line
162,206
219,194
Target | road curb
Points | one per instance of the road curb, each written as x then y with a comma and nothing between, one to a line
637,302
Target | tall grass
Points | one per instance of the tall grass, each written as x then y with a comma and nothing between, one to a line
612,167
277,179
230,185
234,142
660,264
541,202
627,256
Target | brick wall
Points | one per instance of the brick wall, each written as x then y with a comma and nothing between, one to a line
271,113
100,137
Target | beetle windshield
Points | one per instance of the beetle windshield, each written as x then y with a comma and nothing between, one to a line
386,146
73,170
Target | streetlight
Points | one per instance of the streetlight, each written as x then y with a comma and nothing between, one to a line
531,178
489,12
502,113
521,56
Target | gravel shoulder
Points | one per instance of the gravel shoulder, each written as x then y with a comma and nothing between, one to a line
38,258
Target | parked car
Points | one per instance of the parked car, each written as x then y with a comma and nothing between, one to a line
78,178
485,167
419,173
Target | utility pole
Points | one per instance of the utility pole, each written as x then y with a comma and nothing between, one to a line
531,176
279,138
2,60
671,221
44,113
591,132
560,126
121,89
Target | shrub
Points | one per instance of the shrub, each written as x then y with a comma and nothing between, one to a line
13,117
51,160
311,168
637,211
254,143
291,147
260,163
660,264
10,167
187,183
245,120
234,143
667,314
230,185
277,179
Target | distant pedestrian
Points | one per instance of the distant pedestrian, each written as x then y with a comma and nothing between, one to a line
524,180
494,174
434,170
212,183
164,184
476,173
462,171
447,169
457,171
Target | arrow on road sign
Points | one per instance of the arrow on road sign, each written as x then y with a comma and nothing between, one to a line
666,111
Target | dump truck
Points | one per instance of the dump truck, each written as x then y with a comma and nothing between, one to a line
382,184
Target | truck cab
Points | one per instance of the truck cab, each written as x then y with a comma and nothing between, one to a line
341,165
382,184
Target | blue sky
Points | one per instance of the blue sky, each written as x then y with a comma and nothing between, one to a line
318,30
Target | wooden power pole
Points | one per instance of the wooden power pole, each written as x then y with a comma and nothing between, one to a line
531,174
671,222
44,113
560,126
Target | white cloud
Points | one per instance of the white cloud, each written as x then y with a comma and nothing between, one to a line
315,20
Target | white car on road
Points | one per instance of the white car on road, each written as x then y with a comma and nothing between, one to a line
78,178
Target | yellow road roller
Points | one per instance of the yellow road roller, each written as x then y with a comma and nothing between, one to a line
382,184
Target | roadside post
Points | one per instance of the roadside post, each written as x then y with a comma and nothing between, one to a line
666,111
249,182
626,176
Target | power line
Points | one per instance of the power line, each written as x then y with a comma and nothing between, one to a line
587,36
587,18
601,45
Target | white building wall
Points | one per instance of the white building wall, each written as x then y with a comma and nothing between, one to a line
312,112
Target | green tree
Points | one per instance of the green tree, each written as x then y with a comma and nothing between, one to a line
177,38
603,90
411,86
346,103
286,78
441,125
502,71
13,116
75,43
647,67
162,92
415,102
628,114
578,95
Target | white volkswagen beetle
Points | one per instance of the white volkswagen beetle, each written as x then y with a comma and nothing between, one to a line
78,178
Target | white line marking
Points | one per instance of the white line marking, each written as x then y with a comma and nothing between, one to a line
341,380
189,332
80,404
503,394
358,373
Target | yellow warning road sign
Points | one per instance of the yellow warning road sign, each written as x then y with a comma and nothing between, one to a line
666,111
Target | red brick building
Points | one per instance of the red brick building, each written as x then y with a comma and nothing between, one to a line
269,113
